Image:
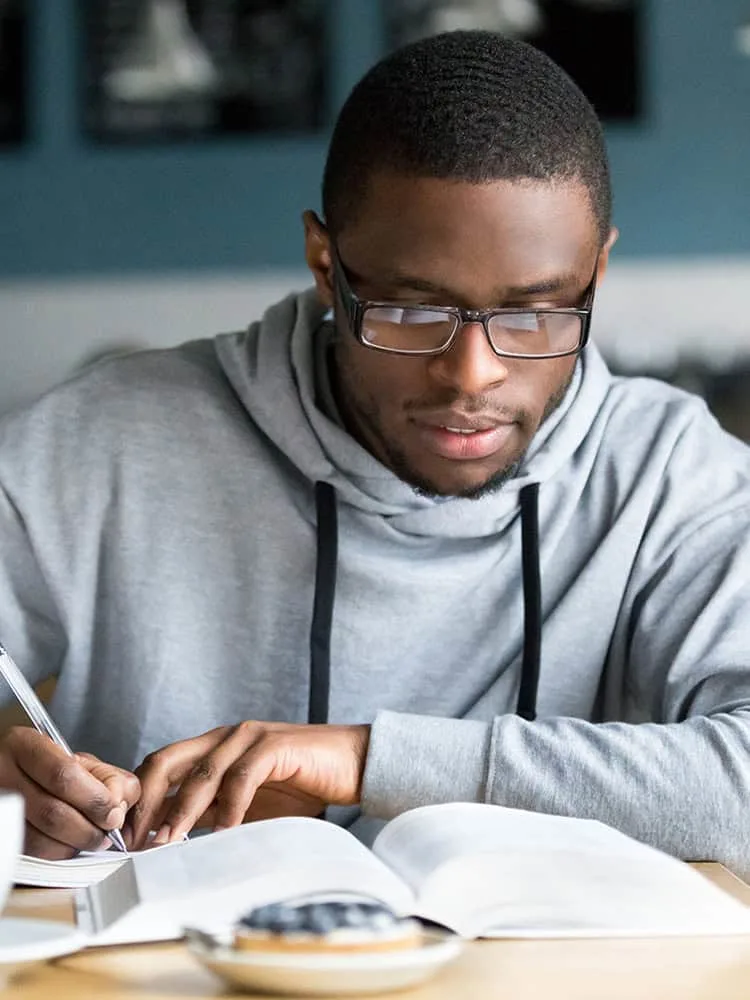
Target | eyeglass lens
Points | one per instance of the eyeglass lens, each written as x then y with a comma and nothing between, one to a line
422,330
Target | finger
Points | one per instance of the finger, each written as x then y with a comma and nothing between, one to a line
56,821
201,787
64,778
260,808
159,816
123,785
161,771
38,845
316,764
243,782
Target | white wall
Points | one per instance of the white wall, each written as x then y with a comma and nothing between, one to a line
50,328
648,314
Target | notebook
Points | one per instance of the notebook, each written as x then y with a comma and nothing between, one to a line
83,870
86,868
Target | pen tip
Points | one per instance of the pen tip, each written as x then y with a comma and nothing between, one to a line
116,837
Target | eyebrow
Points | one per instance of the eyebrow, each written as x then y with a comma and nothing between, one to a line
550,286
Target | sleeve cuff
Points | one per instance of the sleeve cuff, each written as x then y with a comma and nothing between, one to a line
419,760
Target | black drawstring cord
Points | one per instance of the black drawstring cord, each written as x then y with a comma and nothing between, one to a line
325,592
532,602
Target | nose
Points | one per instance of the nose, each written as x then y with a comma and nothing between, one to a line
470,365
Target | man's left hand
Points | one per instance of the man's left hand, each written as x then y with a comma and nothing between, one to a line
255,770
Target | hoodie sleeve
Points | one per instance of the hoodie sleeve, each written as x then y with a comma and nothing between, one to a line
680,783
29,623
36,444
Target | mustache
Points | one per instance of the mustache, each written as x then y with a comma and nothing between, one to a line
470,406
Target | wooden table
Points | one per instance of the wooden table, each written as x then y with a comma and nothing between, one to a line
656,969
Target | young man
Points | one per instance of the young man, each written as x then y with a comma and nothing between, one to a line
434,527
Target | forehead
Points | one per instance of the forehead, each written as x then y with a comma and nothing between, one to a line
435,227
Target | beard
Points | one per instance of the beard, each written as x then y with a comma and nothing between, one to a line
361,416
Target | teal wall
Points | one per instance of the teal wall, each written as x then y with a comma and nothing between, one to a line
682,176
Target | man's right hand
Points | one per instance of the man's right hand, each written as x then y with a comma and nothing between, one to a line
69,801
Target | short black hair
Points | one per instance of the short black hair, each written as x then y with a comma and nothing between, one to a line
472,106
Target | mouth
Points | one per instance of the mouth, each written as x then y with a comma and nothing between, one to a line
462,438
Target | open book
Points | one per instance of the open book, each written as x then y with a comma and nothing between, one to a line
479,870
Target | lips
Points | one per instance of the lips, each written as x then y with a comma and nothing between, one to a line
463,438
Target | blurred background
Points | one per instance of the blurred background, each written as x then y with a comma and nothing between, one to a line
156,155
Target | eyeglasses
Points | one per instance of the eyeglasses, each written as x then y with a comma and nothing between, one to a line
428,330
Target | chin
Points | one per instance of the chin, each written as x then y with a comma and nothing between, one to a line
466,486
431,476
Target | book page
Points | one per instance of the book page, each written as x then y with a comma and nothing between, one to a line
84,869
210,881
71,873
495,872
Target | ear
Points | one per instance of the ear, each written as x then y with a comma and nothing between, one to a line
604,254
318,256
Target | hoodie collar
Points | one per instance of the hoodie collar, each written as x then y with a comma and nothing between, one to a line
272,368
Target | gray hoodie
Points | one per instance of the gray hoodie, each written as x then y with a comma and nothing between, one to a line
158,552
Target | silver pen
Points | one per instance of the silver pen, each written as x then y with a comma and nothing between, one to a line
41,719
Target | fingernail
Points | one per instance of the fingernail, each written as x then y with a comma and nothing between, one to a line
163,835
115,818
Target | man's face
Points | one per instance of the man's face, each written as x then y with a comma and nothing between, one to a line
424,241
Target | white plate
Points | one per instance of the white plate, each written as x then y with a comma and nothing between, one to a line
317,974
24,939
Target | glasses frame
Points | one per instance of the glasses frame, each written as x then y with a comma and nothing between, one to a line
354,310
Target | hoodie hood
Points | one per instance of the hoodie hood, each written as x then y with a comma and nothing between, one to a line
272,368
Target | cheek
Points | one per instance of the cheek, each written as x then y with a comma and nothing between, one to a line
387,381
553,384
